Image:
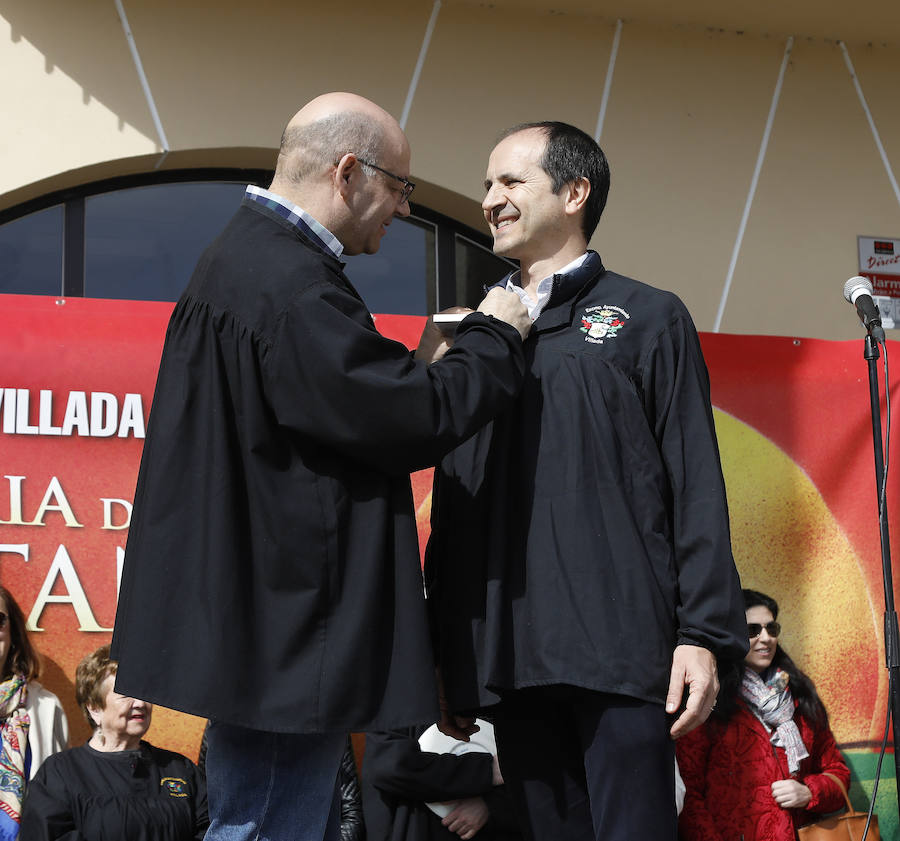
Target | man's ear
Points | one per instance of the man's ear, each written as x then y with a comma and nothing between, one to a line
577,192
346,169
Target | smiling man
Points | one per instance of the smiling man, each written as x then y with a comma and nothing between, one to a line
272,580
580,566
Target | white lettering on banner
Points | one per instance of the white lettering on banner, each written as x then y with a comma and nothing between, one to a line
77,414
54,500
45,425
75,596
98,417
8,405
15,502
108,513
18,548
22,425
62,566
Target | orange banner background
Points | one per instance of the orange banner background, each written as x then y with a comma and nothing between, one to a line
794,430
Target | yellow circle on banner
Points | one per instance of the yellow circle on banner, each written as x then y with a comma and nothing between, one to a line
788,544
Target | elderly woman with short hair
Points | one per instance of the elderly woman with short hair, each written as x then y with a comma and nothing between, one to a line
116,786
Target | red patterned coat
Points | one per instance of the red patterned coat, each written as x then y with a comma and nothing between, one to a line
729,769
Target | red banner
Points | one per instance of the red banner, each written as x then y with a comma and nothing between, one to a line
76,383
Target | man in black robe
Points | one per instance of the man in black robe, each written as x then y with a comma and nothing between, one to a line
580,566
272,580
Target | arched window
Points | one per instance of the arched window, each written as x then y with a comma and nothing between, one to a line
139,238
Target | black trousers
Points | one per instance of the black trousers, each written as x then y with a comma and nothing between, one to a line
583,765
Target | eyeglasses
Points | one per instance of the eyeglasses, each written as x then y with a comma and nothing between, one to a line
4,619
408,185
754,629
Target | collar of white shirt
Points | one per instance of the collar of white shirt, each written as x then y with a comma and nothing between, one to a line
545,287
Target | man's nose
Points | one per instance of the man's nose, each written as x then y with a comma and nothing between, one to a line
493,198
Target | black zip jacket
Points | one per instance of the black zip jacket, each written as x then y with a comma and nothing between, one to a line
580,536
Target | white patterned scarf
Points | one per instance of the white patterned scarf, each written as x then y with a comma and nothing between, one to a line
771,700
14,724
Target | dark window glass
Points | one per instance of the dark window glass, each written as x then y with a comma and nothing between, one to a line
31,251
401,278
143,243
477,267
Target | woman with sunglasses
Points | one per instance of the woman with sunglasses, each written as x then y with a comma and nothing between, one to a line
756,770
32,722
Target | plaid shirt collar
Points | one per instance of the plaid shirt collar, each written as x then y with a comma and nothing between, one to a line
298,217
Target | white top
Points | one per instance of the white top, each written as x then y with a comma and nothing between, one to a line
49,729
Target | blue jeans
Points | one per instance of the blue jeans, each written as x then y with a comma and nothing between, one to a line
272,786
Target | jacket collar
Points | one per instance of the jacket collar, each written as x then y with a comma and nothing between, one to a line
567,289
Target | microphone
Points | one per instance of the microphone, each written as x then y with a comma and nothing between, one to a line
858,291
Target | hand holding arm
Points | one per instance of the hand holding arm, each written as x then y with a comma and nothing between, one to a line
469,815
694,667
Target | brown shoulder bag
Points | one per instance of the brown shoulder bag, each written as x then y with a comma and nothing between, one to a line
847,826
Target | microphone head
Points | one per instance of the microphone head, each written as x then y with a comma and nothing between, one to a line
857,286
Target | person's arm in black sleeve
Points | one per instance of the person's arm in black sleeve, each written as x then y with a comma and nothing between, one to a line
394,763
46,811
335,379
676,396
710,611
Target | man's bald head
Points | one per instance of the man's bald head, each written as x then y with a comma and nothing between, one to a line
329,127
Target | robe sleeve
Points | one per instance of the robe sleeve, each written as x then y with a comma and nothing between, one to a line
676,398
332,377
396,764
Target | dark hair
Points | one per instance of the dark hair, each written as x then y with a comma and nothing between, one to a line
21,659
571,154
809,704
91,672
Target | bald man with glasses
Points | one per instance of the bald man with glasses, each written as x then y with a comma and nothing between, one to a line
272,580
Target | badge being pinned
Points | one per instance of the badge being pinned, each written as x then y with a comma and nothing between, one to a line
603,322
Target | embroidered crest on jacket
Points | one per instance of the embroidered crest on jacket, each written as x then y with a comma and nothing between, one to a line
602,322
176,786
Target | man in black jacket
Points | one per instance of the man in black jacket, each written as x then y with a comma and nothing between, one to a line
580,566
272,579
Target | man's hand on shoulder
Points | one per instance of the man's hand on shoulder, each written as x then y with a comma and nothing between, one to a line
695,668
507,306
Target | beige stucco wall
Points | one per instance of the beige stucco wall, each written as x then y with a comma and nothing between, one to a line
685,117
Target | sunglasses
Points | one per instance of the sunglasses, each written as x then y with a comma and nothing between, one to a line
754,629
4,619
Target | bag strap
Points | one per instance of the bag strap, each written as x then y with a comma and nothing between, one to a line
850,808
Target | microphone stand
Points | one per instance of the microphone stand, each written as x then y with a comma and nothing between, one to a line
891,634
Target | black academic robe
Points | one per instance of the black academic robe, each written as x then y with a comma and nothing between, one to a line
272,576
146,794
398,778
583,534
